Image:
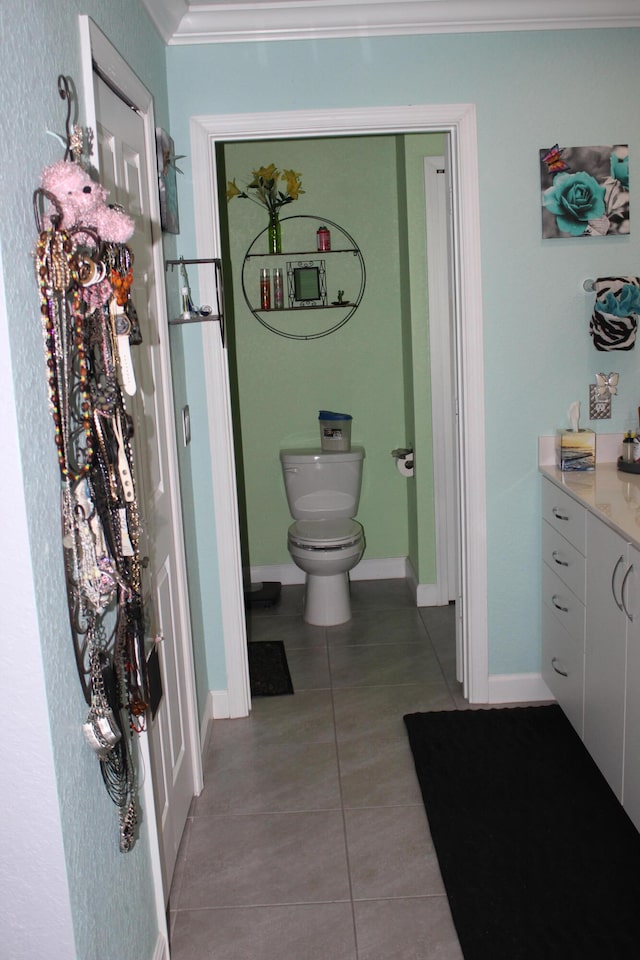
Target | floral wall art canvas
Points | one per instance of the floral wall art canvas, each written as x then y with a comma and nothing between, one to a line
167,186
585,191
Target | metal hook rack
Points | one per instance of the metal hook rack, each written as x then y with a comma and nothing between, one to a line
198,316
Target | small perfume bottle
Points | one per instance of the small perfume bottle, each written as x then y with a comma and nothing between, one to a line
323,238
265,289
278,289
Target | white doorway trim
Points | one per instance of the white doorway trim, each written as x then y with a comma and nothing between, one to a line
459,121
443,387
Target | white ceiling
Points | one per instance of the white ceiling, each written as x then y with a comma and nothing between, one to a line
227,21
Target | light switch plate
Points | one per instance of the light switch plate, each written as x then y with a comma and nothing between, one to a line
599,407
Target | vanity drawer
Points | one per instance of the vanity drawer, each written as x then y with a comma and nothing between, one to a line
564,559
563,667
564,604
565,515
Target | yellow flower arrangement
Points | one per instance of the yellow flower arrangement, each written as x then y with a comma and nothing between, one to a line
264,187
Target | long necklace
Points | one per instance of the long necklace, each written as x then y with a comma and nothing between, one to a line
100,522
65,355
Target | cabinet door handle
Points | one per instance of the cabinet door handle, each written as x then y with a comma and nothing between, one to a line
562,673
558,514
623,592
617,602
561,563
558,606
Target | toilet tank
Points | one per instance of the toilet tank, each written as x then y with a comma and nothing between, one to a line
322,485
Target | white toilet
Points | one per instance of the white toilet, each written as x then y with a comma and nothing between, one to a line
323,492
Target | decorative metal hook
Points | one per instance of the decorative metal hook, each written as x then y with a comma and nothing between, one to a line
56,218
64,89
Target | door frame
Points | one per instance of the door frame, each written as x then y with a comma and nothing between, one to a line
443,385
459,121
96,48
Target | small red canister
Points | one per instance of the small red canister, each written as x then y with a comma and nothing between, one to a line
324,238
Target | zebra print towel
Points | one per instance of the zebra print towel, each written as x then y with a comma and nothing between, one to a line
614,320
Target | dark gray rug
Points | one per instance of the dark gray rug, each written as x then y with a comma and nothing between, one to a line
268,669
539,860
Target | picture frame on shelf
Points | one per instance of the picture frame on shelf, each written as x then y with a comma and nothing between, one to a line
307,283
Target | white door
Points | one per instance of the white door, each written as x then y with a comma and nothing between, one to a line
444,391
123,171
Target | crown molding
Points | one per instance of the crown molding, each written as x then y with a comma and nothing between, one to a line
166,16
226,21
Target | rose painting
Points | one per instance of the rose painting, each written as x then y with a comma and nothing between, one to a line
585,191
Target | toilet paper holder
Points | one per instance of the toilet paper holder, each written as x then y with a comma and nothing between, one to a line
404,460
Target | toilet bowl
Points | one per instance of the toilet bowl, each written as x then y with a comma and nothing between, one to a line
323,492
326,550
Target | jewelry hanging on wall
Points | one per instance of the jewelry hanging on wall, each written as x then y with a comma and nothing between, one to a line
84,270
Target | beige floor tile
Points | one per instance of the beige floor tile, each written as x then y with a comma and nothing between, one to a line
383,664
374,774
375,713
391,853
315,932
380,595
311,827
270,777
406,929
265,859
305,717
380,626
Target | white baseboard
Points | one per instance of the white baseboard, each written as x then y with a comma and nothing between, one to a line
518,688
428,595
161,951
389,568
219,705
217,708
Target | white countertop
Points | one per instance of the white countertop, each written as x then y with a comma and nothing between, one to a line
607,492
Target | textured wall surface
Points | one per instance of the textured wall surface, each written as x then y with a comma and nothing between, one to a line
106,896
537,351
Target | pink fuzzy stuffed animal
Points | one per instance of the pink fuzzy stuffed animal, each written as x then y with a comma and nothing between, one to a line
83,202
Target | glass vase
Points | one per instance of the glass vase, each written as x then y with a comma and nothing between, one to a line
274,233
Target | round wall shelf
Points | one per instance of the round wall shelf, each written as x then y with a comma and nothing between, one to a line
322,288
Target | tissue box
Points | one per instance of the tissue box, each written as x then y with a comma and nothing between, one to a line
575,450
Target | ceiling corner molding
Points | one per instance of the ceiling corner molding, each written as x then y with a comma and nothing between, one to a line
233,21
166,15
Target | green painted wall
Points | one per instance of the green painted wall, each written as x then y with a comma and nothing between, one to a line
283,382
375,367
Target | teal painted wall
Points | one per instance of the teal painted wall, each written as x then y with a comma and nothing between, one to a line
106,895
537,352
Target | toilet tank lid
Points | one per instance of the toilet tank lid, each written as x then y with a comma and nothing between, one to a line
308,454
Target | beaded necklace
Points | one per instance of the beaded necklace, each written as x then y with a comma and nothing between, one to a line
65,355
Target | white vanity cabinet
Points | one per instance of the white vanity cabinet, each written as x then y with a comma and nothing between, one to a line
631,768
563,595
610,589
591,620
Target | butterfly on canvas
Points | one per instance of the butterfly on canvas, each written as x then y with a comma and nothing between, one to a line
607,386
553,160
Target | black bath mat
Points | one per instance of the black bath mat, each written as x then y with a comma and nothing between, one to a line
268,669
539,860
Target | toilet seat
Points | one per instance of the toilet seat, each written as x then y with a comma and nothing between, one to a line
337,534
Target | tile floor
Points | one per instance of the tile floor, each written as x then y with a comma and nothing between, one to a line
310,840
